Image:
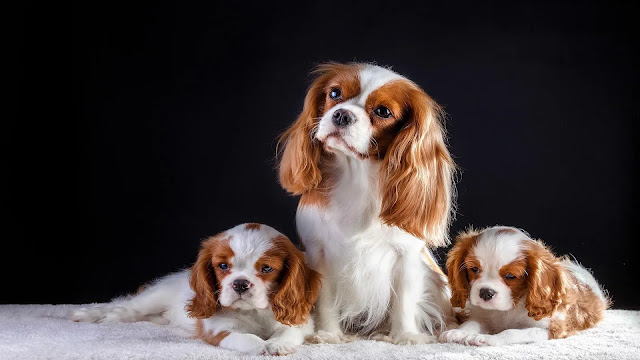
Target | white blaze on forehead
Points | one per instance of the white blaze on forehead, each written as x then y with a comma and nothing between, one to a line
499,246
373,77
249,245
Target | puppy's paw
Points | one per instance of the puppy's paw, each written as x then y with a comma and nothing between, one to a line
411,338
275,347
453,336
87,314
120,314
325,337
479,340
247,343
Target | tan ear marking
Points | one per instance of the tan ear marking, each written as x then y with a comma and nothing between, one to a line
299,169
299,287
546,281
456,270
203,280
417,172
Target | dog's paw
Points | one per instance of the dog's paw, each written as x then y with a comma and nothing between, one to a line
87,314
381,337
411,338
247,343
274,347
325,337
453,336
479,340
120,314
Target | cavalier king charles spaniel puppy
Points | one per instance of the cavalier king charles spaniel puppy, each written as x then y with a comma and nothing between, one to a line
368,157
517,291
249,291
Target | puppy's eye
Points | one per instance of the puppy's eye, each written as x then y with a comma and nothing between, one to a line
335,94
509,276
382,112
475,269
223,267
266,269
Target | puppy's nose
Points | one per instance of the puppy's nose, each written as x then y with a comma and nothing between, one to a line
486,294
240,285
343,117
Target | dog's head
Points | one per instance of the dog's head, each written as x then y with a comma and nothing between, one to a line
253,266
369,113
499,267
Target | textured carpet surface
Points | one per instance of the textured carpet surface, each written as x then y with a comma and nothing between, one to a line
42,332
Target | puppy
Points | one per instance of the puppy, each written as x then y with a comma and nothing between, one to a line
249,291
516,291
368,156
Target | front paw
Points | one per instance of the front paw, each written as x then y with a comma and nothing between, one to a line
254,349
325,337
90,314
466,338
453,336
274,347
480,340
411,338
381,337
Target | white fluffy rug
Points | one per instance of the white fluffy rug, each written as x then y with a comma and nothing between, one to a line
42,332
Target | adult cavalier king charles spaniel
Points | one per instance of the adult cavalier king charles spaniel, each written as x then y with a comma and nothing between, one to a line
249,291
368,157
516,291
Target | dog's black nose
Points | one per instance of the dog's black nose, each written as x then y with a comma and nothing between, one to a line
343,117
486,294
241,285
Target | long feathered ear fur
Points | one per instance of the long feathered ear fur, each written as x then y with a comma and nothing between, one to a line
417,174
299,287
546,281
299,169
204,283
457,270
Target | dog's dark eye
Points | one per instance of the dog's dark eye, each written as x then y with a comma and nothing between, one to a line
382,112
335,94
509,276
475,269
266,269
223,267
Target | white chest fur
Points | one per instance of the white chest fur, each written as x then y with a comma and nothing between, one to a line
360,258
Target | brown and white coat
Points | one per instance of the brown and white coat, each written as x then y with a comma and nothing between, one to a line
368,157
515,290
249,290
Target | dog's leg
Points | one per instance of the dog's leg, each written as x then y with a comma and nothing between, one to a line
328,330
148,305
409,287
508,337
286,339
468,328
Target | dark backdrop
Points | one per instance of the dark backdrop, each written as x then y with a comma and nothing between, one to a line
142,129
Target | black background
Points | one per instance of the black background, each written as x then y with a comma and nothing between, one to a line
141,129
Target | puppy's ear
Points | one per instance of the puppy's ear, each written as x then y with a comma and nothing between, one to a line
417,173
203,282
457,269
545,281
298,289
299,162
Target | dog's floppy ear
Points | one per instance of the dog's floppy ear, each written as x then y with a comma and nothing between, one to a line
545,281
204,282
417,173
299,169
298,288
456,267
